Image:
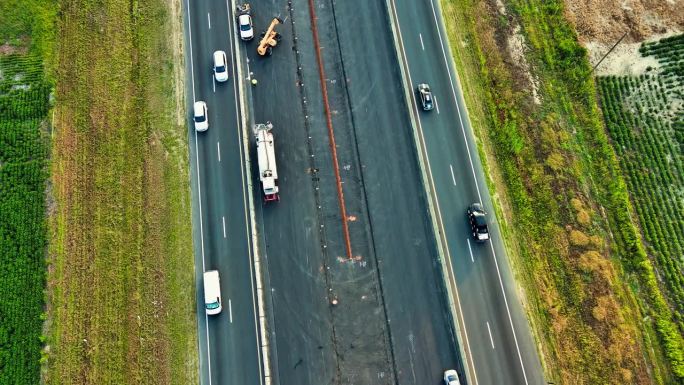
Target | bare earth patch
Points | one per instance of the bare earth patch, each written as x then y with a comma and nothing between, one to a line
600,24
9,49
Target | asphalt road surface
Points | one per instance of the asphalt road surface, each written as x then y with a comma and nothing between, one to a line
228,342
390,325
496,333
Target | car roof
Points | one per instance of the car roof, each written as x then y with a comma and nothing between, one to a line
219,56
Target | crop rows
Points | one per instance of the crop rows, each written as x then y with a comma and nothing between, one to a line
669,52
24,103
645,119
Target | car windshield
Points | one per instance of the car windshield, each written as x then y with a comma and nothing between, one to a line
245,27
451,377
480,221
200,119
213,305
220,69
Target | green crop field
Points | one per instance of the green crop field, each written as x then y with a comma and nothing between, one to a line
645,118
25,89
24,105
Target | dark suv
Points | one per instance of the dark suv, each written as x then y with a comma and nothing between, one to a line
425,97
478,222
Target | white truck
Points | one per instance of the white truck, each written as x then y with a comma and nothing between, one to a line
268,172
212,292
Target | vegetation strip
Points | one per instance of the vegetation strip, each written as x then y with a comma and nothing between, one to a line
646,123
122,282
24,105
563,202
25,87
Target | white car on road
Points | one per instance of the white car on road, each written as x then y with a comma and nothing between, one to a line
200,116
220,66
451,377
245,25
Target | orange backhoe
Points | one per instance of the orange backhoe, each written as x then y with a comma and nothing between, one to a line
269,39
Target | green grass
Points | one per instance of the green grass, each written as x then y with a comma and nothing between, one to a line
30,25
122,282
591,292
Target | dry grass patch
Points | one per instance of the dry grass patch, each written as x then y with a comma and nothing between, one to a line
121,283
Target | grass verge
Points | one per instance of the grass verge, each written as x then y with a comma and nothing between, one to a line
121,278
591,293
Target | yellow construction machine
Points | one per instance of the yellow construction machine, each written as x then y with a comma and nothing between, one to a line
269,39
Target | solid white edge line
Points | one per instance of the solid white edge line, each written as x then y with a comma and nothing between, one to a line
491,339
470,250
453,178
261,334
199,186
438,210
458,110
218,150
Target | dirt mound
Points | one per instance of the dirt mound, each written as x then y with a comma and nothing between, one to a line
605,21
601,23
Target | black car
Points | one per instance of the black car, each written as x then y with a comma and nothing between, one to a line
425,97
477,218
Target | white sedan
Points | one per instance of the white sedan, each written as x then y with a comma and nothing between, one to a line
200,116
220,66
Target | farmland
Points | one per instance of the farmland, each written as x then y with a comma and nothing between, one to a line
24,105
121,279
645,118
592,294
25,35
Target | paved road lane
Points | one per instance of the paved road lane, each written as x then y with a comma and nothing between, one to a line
228,342
496,332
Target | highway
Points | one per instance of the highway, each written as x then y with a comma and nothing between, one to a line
390,323
228,342
495,331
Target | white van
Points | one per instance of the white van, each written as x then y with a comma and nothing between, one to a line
212,292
